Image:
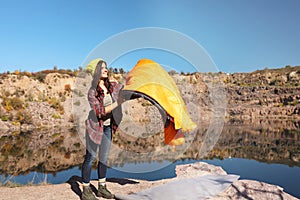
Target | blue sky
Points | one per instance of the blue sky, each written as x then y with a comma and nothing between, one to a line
238,35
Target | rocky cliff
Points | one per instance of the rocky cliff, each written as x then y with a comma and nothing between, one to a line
29,101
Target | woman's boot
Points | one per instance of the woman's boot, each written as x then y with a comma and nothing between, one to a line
104,192
88,194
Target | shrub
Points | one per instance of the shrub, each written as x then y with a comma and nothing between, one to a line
146,103
4,117
68,88
29,97
77,103
41,96
55,135
24,117
294,103
40,76
77,145
172,72
17,103
5,93
56,116
6,104
18,92
5,150
63,98
54,103
72,119
12,103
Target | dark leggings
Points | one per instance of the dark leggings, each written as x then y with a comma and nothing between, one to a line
91,150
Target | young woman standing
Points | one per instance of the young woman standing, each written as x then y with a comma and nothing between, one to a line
102,121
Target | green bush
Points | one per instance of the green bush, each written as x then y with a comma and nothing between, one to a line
77,103
24,117
56,116
4,118
54,103
14,103
40,76
77,145
5,94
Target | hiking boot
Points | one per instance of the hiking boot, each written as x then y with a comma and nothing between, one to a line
88,194
104,192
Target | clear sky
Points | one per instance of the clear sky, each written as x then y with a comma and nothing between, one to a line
239,35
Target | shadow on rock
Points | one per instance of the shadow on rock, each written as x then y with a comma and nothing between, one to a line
121,181
73,181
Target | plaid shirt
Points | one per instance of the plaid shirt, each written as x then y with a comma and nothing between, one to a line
94,123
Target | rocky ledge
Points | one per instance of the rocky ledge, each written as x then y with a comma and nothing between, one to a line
54,98
240,189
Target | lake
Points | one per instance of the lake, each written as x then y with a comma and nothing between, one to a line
267,151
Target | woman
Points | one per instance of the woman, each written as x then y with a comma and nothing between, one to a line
103,119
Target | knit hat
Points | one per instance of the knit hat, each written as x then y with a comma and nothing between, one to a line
92,65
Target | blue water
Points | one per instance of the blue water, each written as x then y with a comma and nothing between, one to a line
283,175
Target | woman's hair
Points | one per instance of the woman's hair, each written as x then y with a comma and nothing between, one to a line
97,76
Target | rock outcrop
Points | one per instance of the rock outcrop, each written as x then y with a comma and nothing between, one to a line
49,101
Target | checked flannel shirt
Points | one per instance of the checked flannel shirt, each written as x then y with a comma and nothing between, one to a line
94,123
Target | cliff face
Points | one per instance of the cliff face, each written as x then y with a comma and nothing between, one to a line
265,93
27,102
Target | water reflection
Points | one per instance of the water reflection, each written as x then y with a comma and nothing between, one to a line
43,150
60,148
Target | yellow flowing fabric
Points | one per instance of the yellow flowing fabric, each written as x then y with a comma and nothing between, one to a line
150,78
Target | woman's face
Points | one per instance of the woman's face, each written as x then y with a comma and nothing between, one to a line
104,71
